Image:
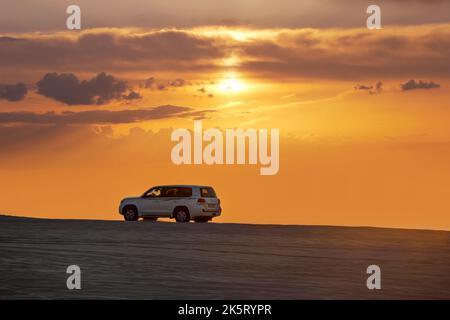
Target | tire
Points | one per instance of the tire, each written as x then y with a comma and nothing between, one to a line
150,218
181,215
130,214
202,219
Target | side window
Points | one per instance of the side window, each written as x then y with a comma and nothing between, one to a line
177,192
170,192
207,193
185,192
153,193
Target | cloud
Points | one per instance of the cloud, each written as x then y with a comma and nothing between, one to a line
68,89
13,92
349,54
132,95
40,141
377,89
112,50
339,54
102,116
363,87
158,14
161,85
414,85
150,83
205,92
178,83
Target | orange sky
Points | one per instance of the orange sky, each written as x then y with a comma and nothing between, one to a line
351,154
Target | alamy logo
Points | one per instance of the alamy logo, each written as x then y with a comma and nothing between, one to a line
235,147
374,280
74,280
374,20
73,21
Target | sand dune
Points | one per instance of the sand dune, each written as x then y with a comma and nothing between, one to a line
148,260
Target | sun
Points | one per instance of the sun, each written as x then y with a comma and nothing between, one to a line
231,84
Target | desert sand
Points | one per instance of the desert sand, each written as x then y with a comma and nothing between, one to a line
148,260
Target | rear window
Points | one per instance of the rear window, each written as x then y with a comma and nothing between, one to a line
207,192
176,192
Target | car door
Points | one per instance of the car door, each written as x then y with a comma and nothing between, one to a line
173,197
150,203
168,200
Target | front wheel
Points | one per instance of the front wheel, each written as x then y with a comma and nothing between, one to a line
130,214
182,215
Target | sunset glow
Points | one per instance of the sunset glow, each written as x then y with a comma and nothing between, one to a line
363,114
231,84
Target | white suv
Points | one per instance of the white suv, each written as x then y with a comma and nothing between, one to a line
182,202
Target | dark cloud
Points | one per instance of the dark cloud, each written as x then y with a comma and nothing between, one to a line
344,54
68,89
102,116
161,85
201,114
178,83
112,51
150,83
41,141
132,95
182,13
205,92
8,39
13,92
376,89
350,54
414,85
363,87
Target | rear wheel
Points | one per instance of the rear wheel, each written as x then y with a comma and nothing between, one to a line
181,215
130,214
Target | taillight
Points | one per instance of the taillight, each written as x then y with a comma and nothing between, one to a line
201,201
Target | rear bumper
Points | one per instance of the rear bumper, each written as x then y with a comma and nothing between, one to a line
211,213
205,212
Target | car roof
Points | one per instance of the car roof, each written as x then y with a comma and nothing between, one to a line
184,186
